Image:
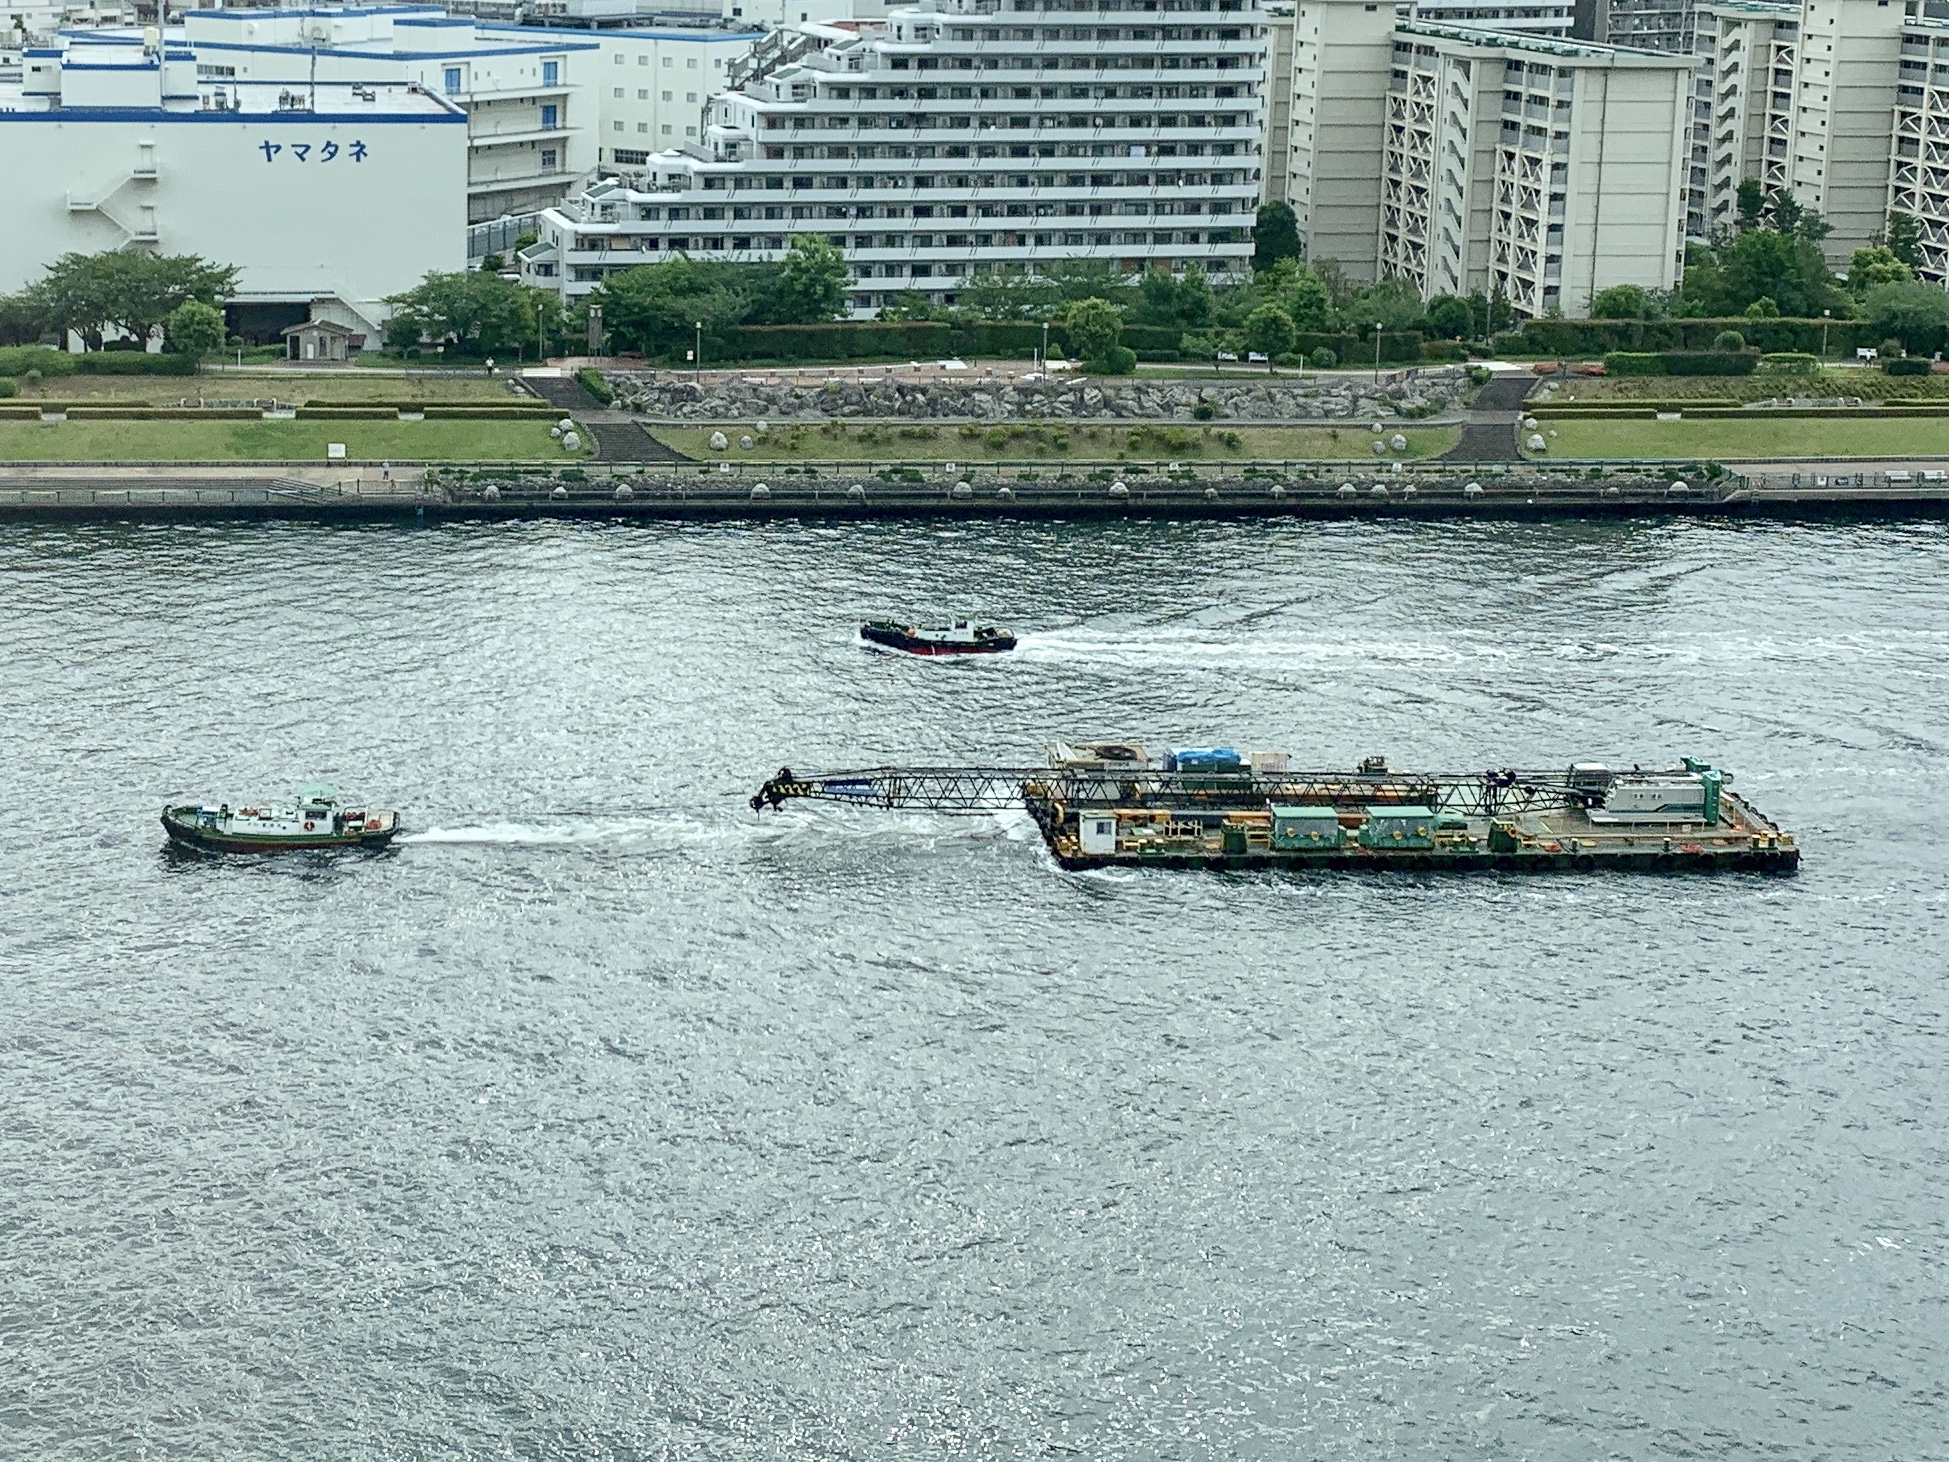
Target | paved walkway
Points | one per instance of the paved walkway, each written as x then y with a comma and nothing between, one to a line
1489,428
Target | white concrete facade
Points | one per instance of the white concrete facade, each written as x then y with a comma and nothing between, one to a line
348,199
653,87
1918,182
963,135
1546,170
529,95
1526,17
1341,51
1742,108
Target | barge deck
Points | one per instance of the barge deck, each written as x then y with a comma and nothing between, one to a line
1199,811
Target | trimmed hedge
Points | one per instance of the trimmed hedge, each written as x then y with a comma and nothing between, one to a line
593,382
1649,403
12,412
489,413
1682,363
1791,362
1141,338
1634,363
1908,365
162,413
133,363
348,413
1585,339
840,341
17,360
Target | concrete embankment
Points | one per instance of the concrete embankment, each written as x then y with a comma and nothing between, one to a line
1440,489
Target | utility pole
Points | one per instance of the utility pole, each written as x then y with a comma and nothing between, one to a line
698,354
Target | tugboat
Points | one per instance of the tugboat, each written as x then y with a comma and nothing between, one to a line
319,819
959,638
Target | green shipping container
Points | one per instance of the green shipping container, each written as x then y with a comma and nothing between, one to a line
1392,828
1298,829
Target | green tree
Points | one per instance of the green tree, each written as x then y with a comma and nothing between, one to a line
1157,297
911,304
1394,304
23,319
1093,326
470,312
126,289
1904,239
1915,313
195,329
1275,235
1620,302
657,307
1007,292
1450,317
1763,263
1308,302
1876,264
1081,279
1194,299
810,288
1269,330
1751,203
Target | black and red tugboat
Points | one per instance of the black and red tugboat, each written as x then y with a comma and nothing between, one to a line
959,638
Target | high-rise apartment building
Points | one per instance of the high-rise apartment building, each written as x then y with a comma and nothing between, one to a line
1743,106
1918,181
1546,170
1468,160
1526,17
960,136
1801,97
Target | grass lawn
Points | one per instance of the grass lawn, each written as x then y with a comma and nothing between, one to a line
1017,442
407,441
1866,384
346,387
1731,441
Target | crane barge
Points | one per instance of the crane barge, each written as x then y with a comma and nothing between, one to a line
1108,805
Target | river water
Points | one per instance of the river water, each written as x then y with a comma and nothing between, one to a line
603,1119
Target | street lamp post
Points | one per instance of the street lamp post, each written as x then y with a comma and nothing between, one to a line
541,343
1825,317
1045,346
1378,327
698,354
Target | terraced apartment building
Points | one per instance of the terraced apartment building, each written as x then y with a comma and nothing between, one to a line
958,136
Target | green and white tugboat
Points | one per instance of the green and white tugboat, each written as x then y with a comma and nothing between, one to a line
320,818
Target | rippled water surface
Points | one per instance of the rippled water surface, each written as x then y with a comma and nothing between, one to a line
602,1119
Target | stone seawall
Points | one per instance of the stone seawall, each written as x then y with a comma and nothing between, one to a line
1346,396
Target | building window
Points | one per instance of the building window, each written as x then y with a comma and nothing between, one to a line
643,60
450,81
642,126
551,73
690,96
619,61
630,158
548,159
549,114
642,93
692,63
615,91
667,62
666,129
616,126
669,96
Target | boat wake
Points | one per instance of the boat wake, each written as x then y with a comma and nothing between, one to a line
634,832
